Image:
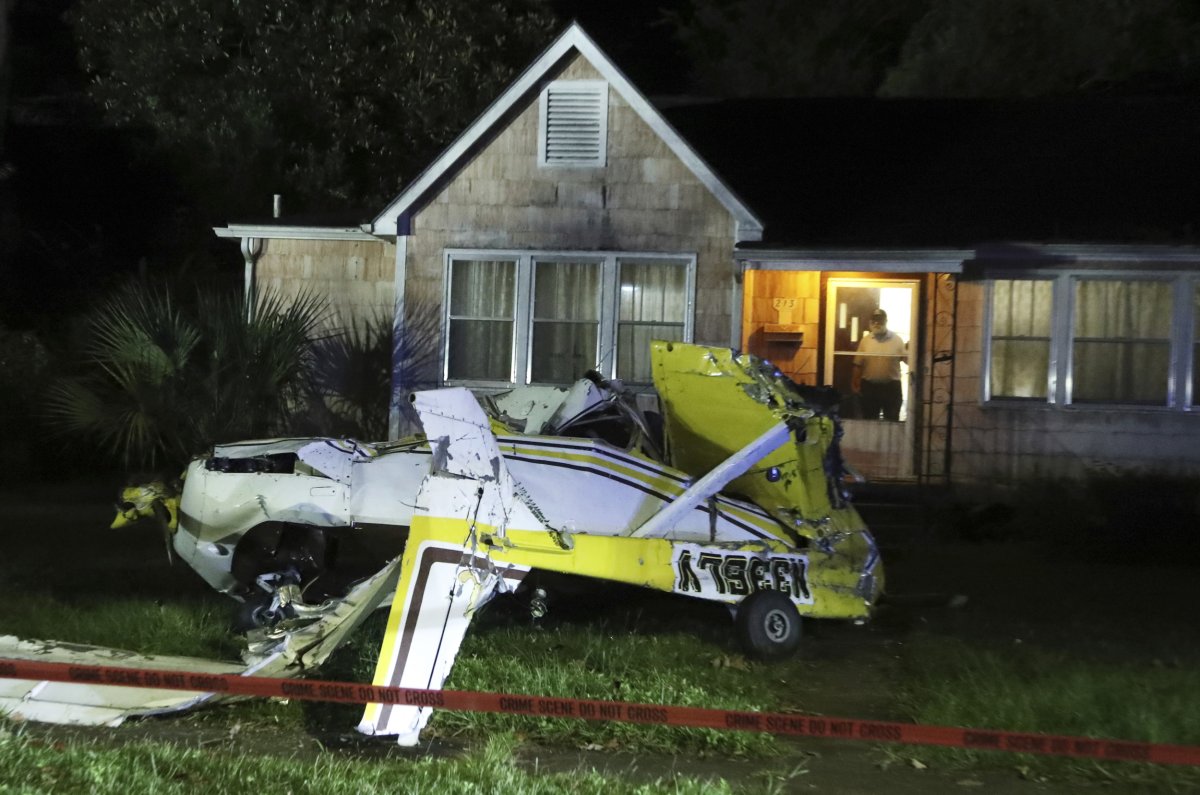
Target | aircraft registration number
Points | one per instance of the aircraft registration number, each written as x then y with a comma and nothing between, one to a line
725,574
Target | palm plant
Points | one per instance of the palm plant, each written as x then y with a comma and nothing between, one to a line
352,378
259,362
162,380
359,371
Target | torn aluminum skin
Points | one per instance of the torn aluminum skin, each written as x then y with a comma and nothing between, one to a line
281,653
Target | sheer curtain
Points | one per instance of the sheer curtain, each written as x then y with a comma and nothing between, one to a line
482,301
566,320
1121,341
653,305
1020,361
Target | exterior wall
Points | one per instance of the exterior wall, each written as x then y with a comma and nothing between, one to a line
776,299
644,200
356,277
996,446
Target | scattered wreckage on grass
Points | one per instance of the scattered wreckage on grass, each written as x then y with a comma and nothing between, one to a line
733,494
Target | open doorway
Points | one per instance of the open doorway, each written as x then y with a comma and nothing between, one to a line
870,351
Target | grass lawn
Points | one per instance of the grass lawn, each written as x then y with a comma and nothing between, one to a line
628,653
1031,689
30,765
1090,667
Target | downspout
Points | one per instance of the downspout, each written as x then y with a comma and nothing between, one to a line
399,323
251,249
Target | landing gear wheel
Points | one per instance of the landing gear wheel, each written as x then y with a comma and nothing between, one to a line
768,625
259,612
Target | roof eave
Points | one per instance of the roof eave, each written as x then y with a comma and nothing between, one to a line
283,232
899,260
1008,255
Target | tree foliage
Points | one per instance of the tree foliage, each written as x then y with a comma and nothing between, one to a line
332,102
1019,48
940,48
793,47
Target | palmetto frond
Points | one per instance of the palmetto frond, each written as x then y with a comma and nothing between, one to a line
163,380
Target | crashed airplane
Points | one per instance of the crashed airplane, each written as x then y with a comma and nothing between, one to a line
733,494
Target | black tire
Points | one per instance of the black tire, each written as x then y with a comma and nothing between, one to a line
768,625
256,613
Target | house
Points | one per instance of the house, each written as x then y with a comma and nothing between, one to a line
1038,258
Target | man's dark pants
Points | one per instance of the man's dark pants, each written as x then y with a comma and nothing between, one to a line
881,396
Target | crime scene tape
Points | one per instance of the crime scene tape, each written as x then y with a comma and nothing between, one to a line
584,709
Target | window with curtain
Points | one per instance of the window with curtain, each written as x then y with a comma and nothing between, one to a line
481,318
652,306
1123,336
549,317
1020,344
1121,341
566,320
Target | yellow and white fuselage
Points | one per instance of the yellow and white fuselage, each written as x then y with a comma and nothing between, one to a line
494,508
479,506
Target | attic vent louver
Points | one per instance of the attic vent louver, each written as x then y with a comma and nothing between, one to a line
574,123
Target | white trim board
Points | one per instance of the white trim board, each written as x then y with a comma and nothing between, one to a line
273,232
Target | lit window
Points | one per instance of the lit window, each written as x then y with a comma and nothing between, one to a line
1121,342
481,319
526,317
566,320
653,306
1020,354
1087,338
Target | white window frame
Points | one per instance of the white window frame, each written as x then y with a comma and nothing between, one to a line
609,262
599,87
1180,397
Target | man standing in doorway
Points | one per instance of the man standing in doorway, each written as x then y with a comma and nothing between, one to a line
877,370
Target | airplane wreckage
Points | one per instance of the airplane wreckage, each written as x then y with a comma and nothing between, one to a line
734,494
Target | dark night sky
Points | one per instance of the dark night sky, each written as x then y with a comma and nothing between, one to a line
637,38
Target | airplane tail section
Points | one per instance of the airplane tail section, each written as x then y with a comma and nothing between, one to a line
464,509
442,586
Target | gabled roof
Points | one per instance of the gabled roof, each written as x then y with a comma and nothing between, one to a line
920,173
522,90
